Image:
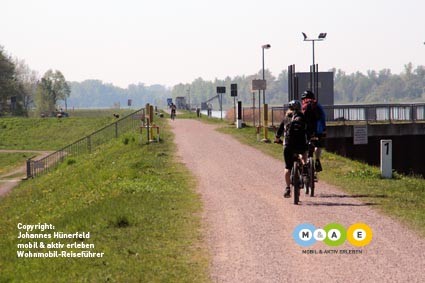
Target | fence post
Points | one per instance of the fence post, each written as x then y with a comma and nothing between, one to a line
29,175
116,129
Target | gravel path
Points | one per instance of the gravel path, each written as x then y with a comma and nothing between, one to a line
11,179
249,224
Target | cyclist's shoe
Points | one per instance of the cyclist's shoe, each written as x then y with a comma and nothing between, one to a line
287,193
318,165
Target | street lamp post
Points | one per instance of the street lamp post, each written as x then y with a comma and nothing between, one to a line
265,46
265,112
321,37
188,94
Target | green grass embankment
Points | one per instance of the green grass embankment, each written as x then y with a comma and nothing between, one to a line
47,133
137,202
402,197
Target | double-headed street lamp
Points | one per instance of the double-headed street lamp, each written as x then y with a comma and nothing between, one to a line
321,37
314,79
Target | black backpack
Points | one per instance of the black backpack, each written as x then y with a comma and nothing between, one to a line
295,131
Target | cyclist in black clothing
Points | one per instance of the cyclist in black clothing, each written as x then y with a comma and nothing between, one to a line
295,139
315,118
173,111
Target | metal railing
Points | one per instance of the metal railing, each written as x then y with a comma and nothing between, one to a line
85,145
374,113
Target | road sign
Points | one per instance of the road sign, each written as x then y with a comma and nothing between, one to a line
233,90
360,134
221,89
259,85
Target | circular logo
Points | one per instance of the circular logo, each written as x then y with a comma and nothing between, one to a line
335,234
303,234
359,234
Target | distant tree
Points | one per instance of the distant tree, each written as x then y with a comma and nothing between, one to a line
28,80
52,88
9,87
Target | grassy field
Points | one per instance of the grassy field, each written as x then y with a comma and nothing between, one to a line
137,202
47,133
402,197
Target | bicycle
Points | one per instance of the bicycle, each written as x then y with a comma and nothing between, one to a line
309,178
296,176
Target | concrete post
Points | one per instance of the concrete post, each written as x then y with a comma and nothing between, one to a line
386,159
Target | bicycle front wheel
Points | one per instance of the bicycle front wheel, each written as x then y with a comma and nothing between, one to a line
311,176
296,181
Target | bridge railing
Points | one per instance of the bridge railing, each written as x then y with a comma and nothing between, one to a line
370,113
84,145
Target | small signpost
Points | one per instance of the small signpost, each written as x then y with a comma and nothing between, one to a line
239,116
261,85
386,159
234,94
220,91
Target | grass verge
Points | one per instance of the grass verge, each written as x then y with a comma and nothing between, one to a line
402,197
136,201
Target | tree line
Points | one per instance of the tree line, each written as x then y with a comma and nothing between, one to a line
355,88
22,89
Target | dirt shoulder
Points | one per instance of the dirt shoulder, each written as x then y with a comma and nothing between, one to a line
249,224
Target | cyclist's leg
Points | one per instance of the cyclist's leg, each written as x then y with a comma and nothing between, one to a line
288,154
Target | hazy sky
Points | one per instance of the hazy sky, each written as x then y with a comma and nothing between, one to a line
173,41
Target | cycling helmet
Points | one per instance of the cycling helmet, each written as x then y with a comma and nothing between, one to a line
295,105
307,94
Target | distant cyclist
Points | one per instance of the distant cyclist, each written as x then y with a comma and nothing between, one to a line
295,139
316,123
173,111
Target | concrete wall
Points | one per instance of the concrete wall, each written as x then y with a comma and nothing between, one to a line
408,151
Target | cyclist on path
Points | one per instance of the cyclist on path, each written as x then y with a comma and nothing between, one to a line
295,139
316,123
173,111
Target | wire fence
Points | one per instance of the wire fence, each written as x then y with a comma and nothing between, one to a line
85,145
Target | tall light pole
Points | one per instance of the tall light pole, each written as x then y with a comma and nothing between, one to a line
265,113
188,94
265,46
321,37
